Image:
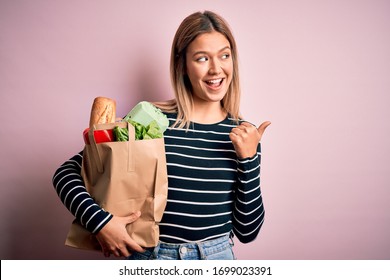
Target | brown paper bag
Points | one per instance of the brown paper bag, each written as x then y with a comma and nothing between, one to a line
124,177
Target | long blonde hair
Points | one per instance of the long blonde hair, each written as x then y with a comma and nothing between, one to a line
192,26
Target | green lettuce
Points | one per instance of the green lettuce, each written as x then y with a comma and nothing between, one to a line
121,133
152,131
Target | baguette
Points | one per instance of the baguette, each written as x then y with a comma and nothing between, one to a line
103,111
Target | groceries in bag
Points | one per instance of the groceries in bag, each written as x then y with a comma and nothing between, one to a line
149,122
124,177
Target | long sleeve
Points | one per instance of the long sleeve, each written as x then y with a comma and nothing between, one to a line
71,190
248,213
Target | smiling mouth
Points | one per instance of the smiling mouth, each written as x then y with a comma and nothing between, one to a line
215,83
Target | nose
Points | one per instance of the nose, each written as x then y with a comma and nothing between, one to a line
215,67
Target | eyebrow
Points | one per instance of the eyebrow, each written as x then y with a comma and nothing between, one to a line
204,52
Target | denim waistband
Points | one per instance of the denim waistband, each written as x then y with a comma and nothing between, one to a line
188,251
193,250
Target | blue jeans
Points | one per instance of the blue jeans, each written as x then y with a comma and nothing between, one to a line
215,249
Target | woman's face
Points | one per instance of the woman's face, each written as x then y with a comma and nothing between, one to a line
209,67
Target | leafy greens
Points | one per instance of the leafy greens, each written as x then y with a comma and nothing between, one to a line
142,132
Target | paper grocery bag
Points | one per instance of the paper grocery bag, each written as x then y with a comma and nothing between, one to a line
124,177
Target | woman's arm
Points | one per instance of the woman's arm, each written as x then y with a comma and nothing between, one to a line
70,188
248,212
110,230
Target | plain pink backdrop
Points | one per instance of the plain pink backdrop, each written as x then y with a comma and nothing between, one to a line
319,70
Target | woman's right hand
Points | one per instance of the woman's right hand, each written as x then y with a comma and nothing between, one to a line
114,239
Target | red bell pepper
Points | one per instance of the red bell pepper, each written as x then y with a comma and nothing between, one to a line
101,136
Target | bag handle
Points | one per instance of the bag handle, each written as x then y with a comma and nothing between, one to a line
94,145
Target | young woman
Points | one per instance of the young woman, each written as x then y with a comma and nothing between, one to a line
213,158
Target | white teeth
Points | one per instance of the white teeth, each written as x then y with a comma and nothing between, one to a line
214,81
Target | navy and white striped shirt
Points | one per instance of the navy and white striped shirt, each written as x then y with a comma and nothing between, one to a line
211,193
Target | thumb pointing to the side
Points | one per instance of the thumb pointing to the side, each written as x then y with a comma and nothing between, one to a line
262,128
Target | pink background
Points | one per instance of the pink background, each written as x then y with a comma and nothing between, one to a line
319,70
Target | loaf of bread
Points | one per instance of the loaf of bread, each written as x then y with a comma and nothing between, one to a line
103,111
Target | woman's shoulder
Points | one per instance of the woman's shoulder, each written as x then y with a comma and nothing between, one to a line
167,107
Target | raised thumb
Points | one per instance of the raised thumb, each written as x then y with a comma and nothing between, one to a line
263,126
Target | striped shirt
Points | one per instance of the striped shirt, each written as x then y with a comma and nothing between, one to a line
211,193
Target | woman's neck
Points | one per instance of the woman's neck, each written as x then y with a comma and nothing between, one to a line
208,113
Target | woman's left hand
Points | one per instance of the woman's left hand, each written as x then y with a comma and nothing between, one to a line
246,138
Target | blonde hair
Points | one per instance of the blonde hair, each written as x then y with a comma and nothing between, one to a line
192,26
